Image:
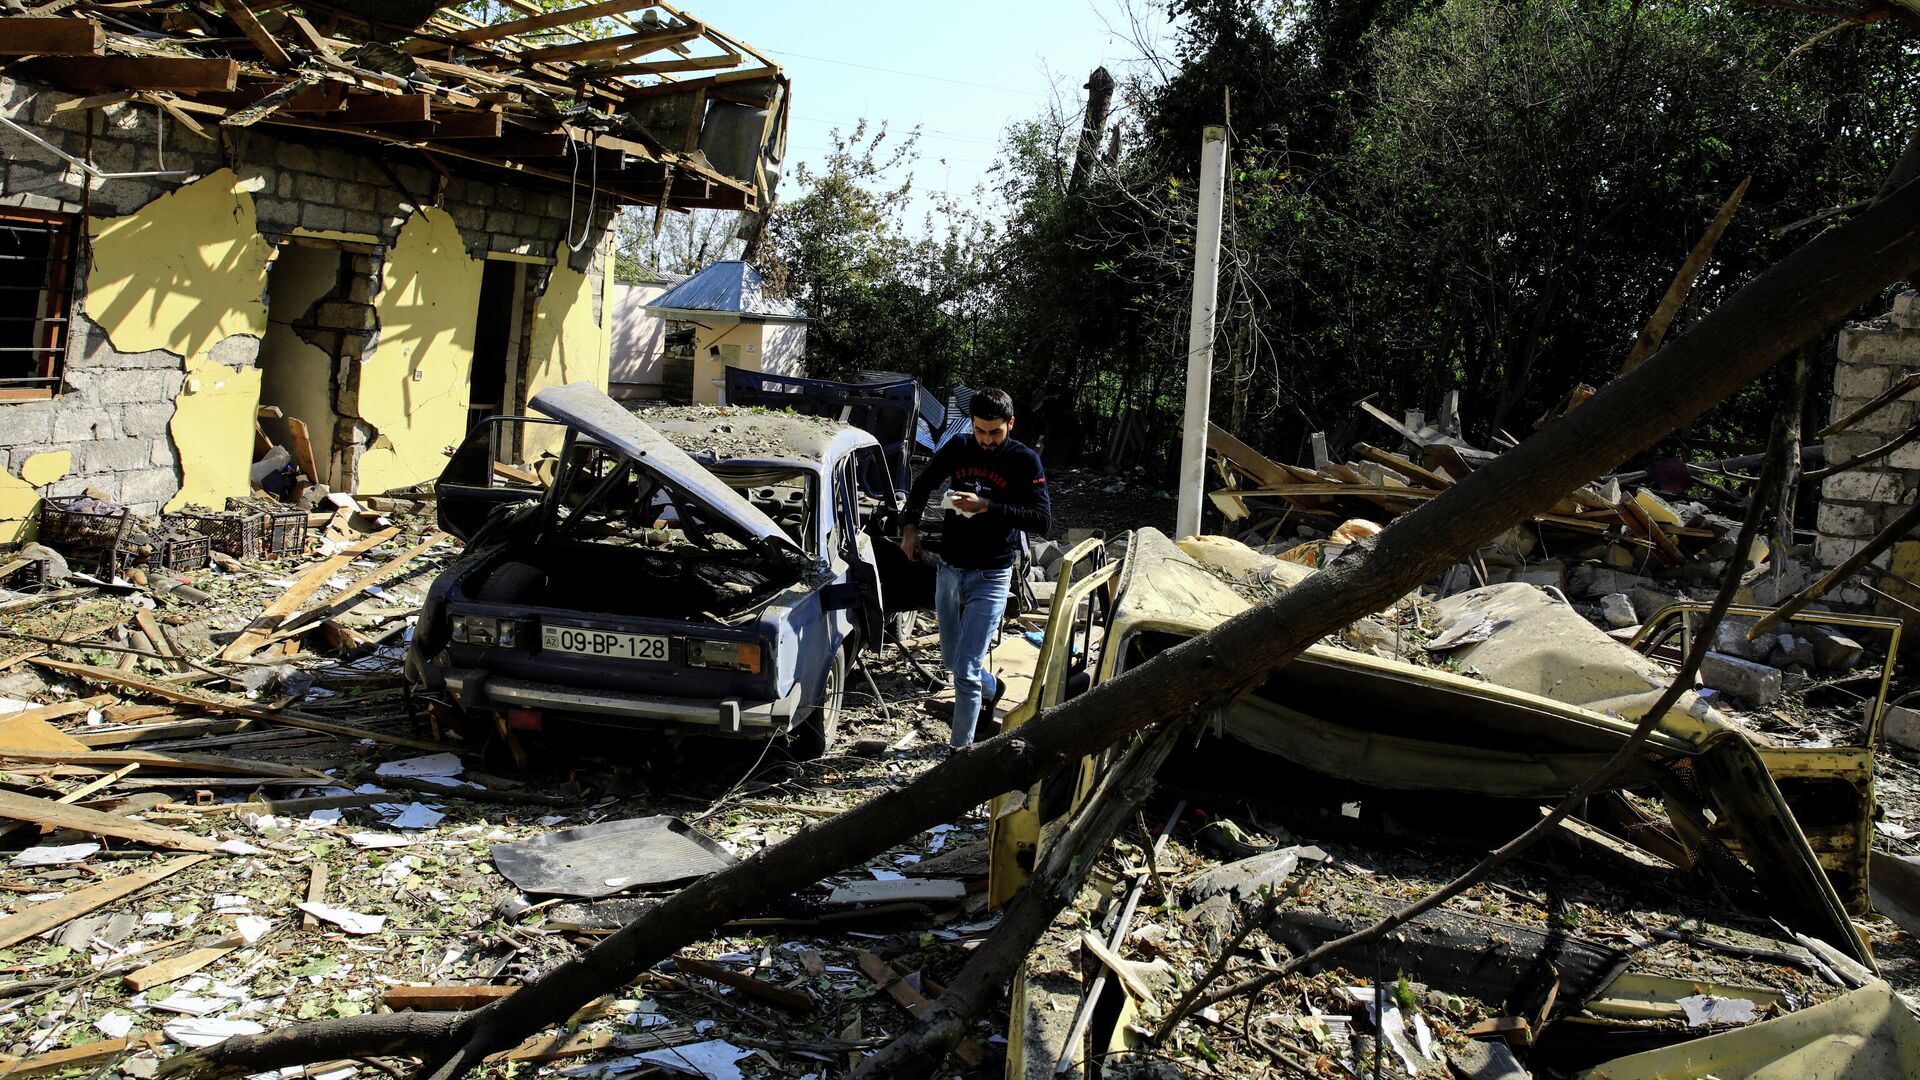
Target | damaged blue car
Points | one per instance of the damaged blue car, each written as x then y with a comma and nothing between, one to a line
699,571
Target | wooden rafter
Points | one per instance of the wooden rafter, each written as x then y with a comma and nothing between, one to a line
549,20
613,48
270,48
138,72
37,35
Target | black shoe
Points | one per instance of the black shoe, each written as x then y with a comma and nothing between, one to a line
988,723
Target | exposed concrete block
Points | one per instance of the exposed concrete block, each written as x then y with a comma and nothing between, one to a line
1617,610
366,221
1906,309
1862,485
1861,381
1832,649
235,351
1792,649
123,387
80,425
1902,726
309,188
1743,680
1649,598
146,419
149,486
1833,550
319,216
1844,520
297,157
113,456
1907,457
28,423
356,196
1879,344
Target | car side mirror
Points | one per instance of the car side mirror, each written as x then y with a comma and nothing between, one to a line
841,596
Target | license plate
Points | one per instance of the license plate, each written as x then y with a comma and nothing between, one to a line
603,643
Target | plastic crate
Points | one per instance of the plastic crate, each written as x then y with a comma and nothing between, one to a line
285,532
184,554
241,534
81,533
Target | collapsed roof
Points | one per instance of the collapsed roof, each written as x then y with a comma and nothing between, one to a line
632,98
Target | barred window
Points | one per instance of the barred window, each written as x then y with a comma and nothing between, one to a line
36,298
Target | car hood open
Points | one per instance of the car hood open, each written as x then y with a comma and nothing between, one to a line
583,407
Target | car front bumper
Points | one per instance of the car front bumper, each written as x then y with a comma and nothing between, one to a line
477,688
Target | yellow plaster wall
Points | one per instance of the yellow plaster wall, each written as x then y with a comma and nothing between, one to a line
18,498
183,273
212,429
568,344
710,372
47,466
414,387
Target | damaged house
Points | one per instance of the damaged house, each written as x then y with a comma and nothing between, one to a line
364,228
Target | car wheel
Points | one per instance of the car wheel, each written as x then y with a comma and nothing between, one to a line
812,736
902,625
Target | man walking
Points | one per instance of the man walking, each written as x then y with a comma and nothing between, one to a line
999,490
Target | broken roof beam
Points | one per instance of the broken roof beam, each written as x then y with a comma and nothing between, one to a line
270,49
377,109
722,79
613,48
138,72
663,67
548,20
38,35
460,125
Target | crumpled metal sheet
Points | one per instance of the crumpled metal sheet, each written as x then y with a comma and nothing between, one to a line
1865,1035
612,856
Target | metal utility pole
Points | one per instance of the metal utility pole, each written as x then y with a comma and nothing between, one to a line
1206,282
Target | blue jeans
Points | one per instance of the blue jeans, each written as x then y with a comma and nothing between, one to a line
969,604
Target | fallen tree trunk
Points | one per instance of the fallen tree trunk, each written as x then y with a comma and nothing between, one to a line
1816,286
1062,869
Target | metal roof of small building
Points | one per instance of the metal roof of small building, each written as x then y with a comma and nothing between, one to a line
730,287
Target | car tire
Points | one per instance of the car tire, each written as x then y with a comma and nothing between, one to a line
812,736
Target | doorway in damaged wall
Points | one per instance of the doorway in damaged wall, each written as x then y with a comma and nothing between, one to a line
320,316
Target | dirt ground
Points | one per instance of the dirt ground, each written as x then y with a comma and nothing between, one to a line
420,869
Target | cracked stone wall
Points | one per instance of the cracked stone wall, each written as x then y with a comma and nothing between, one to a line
118,403
1857,504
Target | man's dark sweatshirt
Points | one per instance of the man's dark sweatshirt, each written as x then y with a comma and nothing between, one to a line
1015,487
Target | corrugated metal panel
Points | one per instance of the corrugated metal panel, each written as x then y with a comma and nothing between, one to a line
732,287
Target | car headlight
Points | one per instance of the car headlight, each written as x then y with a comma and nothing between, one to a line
732,655
485,630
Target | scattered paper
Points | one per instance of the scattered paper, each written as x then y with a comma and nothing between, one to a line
190,1004
353,922
411,816
201,1032
887,875
379,840
114,1025
713,1060
429,766
54,854
238,847
252,927
232,904
1704,1009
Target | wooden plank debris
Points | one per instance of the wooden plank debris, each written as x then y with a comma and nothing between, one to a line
316,893
137,72
157,637
368,580
213,704
173,969
270,49
34,35
912,1000
308,583
154,759
74,1057
791,1000
443,998
57,815
52,914
24,732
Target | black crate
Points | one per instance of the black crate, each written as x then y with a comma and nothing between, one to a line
183,554
84,533
286,532
241,534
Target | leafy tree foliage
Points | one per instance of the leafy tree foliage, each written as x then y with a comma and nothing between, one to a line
1488,195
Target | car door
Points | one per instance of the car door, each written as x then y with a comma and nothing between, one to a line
475,482
856,548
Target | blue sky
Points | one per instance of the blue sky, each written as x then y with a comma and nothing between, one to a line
961,72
